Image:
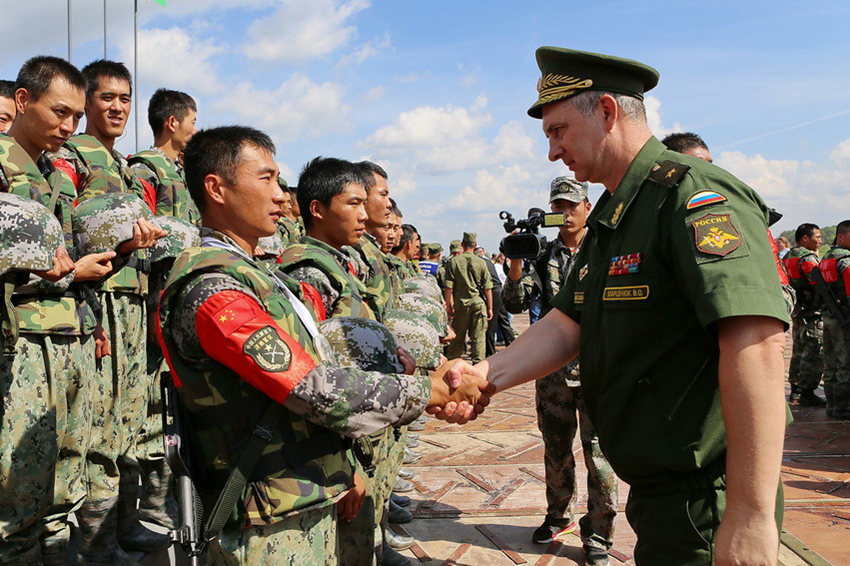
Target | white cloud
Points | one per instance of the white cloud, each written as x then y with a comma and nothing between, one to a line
374,94
298,109
302,29
653,118
428,126
367,50
841,154
409,77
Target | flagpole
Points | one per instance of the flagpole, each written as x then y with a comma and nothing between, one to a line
69,31
135,67
104,29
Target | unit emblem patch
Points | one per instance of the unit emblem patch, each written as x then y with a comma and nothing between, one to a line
268,349
715,234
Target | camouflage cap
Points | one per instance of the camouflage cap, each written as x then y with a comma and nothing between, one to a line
469,239
436,248
425,249
454,246
427,307
103,222
362,343
416,335
567,188
567,72
182,234
29,235
424,285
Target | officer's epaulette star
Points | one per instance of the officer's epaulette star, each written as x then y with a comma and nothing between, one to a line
668,173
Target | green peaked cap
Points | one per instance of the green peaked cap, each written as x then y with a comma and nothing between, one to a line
567,72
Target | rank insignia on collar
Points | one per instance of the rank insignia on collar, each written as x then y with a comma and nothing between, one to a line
617,213
625,264
715,234
703,198
582,272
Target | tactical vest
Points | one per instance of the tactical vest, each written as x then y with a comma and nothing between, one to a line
43,307
303,464
835,268
798,264
172,196
108,174
354,298
379,279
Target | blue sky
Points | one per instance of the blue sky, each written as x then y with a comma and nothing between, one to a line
436,91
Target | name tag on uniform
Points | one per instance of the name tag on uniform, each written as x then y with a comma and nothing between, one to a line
631,293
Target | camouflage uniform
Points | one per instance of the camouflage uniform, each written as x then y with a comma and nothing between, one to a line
467,276
806,362
560,411
377,276
290,505
169,183
836,338
47,402
120,388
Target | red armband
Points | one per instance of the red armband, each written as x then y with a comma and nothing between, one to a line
829,270
780,267
68,169
149,194
792,266
315,299
235,331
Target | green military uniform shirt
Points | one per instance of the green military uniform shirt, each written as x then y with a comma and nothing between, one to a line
468,277
679,245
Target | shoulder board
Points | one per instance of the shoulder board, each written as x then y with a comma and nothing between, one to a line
668,173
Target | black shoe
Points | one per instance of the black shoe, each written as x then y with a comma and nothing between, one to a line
808,398
595,556
400,500
390,557
398,514
548,532
795,394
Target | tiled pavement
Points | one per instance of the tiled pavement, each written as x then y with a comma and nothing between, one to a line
480,491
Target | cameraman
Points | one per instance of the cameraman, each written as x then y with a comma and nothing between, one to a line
559,402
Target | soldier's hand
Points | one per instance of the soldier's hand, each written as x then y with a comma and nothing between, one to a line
450,335
407,361
459,393
489,313
349,505
102,346
747,538
62,266
145,235
94,266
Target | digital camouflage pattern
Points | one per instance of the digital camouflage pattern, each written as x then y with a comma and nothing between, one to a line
330,271
559,409
425,285
169,183
376,276
103,222
29,235
806,367
426,307
836,339
416,335
181,235
326,402
363,343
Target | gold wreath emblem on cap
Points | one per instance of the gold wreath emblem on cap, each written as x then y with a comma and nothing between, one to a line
554,86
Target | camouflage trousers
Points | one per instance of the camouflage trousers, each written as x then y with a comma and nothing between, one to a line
836,353
471,319
806,359
560,408
44,399
309,537
119,394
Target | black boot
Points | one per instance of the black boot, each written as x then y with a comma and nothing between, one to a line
794,395
808,398
841,401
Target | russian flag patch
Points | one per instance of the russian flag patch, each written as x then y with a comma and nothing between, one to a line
703,198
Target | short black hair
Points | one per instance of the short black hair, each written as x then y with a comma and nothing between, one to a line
805,229
38,73
683,141
368,169
407,234
217,151
7,89
167,103
105,68
322,179
842,228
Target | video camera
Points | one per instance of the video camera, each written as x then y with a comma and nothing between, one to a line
527,243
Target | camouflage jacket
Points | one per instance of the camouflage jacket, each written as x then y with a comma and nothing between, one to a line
94,170
44,307
169,183
332,273
253,349
798,263
544,279
835,268
376,276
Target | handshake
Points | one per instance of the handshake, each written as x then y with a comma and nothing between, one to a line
459,391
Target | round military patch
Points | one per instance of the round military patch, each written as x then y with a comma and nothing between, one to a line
715,234
268,350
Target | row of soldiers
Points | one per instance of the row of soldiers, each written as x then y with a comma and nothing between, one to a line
347,340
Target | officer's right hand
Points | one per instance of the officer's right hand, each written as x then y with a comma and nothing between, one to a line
145,235
462,397
94,266
62,266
